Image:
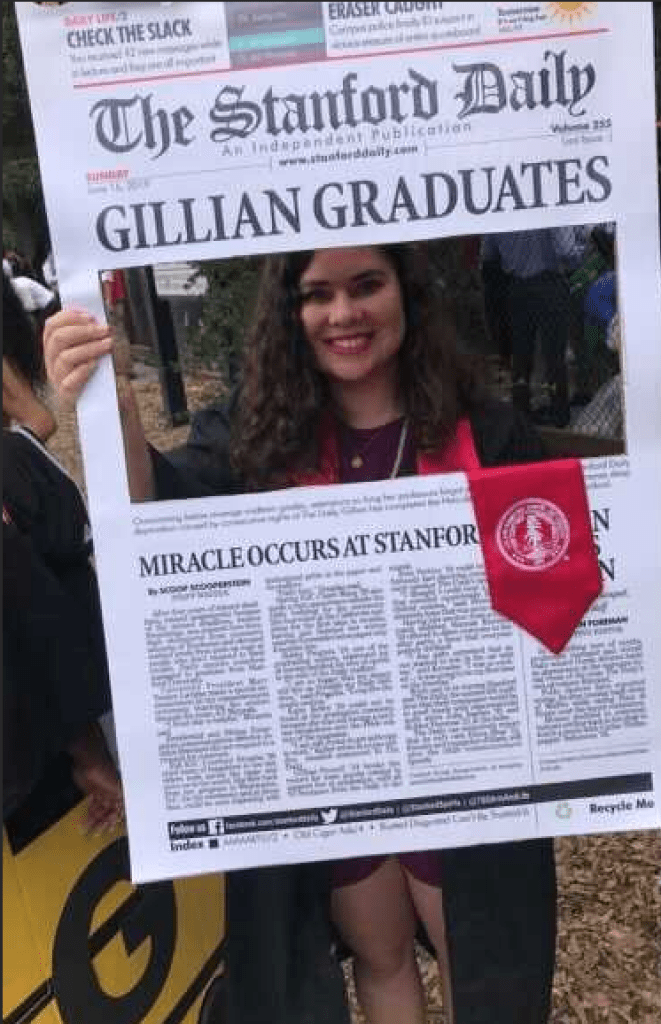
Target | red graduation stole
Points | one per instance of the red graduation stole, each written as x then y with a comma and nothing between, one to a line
539,553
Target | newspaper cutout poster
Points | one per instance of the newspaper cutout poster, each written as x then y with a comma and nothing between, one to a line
317,673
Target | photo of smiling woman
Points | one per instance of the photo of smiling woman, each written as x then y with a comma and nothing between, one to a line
350,373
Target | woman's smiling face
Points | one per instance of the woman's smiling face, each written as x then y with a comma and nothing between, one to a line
352,313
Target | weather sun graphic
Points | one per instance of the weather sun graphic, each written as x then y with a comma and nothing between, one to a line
571,12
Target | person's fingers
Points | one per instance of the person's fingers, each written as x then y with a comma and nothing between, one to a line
102,815
69,369
96,814
114,821
56,326
71,386
99,824
77,353
73,339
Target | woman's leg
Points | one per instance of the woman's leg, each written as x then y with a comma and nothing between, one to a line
428,902
376,919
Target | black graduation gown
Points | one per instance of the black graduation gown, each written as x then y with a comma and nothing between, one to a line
55,671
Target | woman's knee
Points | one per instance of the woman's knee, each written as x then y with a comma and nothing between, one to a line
386,960
376,919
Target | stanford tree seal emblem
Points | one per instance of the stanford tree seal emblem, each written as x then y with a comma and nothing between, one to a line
533,534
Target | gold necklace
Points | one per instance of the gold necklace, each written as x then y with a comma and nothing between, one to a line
400,450
357,461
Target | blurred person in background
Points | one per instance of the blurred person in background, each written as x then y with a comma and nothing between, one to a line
537,264
55,674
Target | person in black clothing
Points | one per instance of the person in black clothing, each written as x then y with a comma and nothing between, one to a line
351,374
55,673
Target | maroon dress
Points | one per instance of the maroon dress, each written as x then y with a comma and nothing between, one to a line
373,455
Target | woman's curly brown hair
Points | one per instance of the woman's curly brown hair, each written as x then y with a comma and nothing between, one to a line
283,394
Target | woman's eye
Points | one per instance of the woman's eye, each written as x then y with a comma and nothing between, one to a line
315,296
367,286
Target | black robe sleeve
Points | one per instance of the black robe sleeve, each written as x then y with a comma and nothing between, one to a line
201,467
55,677
504,436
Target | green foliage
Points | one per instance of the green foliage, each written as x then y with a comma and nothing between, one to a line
226,313
24,221
457,273
16,123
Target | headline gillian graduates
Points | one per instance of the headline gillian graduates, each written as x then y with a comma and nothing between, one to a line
339,205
